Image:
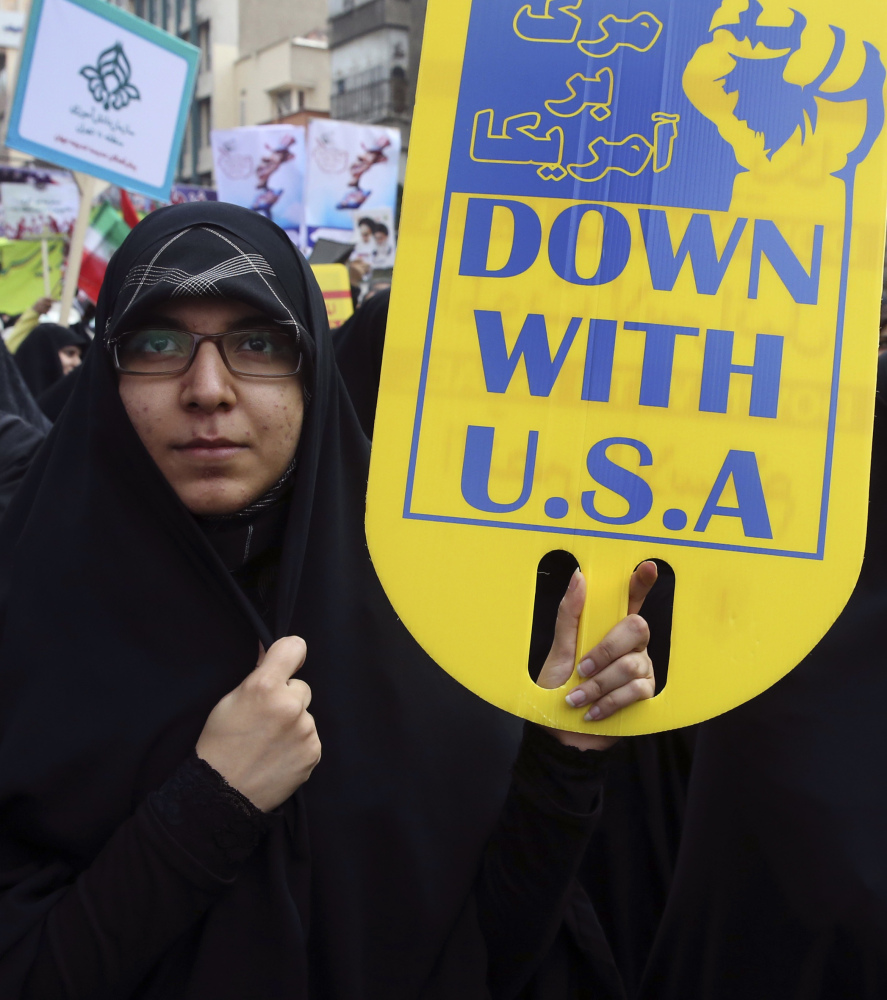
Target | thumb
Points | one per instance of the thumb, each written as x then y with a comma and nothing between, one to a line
641,584
283,659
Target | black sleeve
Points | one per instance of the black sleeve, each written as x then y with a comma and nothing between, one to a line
19,442
157,875
531,861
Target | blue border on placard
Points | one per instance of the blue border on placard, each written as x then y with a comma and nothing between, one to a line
874,127
819,553
137,26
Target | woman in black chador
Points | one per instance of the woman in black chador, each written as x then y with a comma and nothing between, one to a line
187,511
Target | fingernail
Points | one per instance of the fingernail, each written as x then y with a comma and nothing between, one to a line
586,668
574,579
592,714
576,698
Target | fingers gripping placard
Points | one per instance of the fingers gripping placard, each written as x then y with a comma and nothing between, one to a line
635,316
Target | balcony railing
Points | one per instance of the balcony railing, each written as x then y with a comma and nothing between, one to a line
371,96
368,17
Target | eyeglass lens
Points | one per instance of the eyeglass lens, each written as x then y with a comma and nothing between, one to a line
248,352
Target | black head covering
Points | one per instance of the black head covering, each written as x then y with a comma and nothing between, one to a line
38,356
359,344
15,396
121,629
780,888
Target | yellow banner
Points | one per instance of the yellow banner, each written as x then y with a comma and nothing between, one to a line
634,316
336,288
21,272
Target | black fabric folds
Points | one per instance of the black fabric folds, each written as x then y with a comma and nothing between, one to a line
631,856
122,628
22,427
19,442
15,396
780,889
52,400
359,345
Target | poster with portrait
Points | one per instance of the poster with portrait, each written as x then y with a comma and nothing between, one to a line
263,168
351,168
635,317
374,237
103,92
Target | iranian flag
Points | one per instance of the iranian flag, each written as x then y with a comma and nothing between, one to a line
107,230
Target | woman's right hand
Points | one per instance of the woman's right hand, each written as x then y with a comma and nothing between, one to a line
261,737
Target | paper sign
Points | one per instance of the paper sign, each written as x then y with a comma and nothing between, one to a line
21,272
374,237
37,202
185,194
635,316
103,92
336,288
12,26
263,168
351,168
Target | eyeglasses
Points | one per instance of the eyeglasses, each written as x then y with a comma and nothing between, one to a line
263,353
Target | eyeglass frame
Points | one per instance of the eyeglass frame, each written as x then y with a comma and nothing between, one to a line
196,340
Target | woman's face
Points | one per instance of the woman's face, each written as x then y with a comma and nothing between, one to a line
70,358
221,440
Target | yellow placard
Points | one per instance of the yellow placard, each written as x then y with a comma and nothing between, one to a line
21,272
635,315
336,288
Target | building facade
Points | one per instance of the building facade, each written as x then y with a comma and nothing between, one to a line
369,62
211,25
261,61
374,59
283,71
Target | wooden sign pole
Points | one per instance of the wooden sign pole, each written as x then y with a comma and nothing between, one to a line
44,253
87,185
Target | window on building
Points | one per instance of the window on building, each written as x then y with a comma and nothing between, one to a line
203,41
398,90
187,157
283,103
205,112
301,100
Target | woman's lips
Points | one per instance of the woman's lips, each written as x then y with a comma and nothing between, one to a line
211,448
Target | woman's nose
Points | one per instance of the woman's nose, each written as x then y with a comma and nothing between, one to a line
208,383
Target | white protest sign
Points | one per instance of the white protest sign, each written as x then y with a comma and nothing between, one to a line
351,168
104,93
262,167
12,27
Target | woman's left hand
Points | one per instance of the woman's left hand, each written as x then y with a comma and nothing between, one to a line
618,670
